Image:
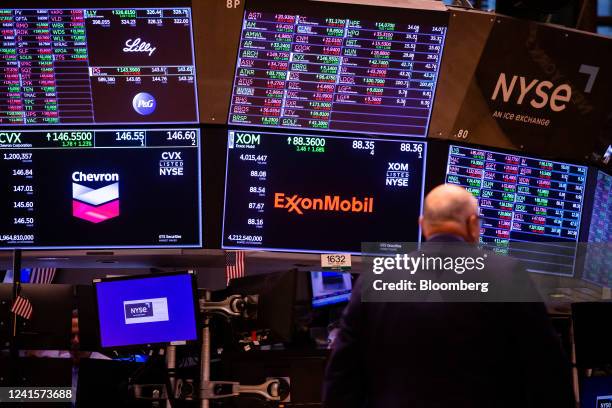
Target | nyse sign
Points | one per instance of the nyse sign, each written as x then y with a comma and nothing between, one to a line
530,93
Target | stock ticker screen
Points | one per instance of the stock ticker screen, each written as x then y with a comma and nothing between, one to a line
308,193
327,70
78,66
524,200
100,189
599,257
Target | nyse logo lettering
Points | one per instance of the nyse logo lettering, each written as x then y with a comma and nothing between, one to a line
171,164
604,401
144,103
146,310
298,205
557,99
95,204
139,310
137,45
398,174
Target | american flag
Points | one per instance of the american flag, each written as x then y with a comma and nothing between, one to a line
234,264
42,275
22,307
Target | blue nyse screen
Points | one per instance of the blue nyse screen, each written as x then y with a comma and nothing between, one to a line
148,310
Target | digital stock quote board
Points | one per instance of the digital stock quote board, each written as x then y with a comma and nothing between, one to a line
534,202
335,68
309,193
100,189
78,66
599,256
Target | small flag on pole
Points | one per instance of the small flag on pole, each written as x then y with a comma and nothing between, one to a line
234,265
22,307
42,275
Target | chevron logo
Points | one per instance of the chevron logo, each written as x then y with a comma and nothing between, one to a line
95,205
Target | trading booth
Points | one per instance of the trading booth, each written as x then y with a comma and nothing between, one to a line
188,187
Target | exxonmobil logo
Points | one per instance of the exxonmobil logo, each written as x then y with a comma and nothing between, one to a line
296,203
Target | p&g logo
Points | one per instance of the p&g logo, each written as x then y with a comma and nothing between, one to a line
144,103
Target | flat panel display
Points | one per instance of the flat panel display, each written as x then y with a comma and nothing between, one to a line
329,68
311,193
599,257
330,288
146,310
111,188
102,65
525,200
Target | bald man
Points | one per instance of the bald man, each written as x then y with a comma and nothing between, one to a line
450,211
448,354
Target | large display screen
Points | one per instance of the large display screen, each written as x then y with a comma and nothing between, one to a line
87,65
326,69
599,257
320,194
526,200
100,189
146,310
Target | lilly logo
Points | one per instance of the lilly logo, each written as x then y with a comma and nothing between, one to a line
95,205
137,45
144,103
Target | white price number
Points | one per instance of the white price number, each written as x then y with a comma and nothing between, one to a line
412,148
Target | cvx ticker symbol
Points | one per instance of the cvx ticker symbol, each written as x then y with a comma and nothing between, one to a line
144,103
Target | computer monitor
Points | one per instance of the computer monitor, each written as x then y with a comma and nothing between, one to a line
101,188
147,310
599,247
596,392
530,208
98,65
277,300
50,327
323,194
337,67
330,288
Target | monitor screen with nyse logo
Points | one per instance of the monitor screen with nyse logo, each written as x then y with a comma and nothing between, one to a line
311,193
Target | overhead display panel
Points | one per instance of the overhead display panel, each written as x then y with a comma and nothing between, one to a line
599,255
525,200
337,67
112,188
509,83
102,65
308,193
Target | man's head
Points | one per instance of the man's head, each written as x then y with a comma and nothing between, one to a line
450,209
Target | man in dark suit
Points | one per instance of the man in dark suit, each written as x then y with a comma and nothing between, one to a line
448,354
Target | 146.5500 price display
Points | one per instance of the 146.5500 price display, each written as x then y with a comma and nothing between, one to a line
100,188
